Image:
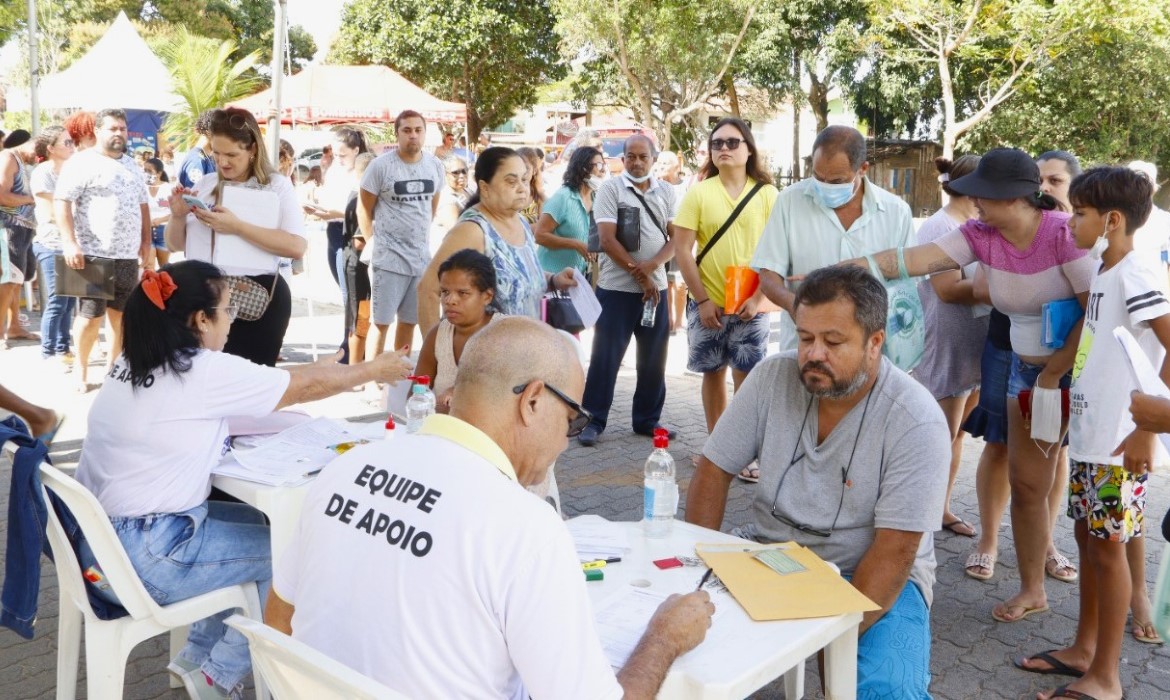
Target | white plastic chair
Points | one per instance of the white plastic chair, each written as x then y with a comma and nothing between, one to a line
108,643
293,669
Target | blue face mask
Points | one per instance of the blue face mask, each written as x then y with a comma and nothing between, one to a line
834,196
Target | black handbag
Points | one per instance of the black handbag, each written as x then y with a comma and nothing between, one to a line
593,243
560,313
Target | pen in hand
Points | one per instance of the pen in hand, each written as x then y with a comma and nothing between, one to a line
703,580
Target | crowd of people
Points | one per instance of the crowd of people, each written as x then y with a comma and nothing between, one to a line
853,455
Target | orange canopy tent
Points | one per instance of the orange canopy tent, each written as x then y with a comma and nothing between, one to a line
345,94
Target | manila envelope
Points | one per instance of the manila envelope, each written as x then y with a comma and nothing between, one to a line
767,595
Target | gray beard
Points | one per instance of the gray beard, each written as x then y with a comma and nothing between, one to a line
837,391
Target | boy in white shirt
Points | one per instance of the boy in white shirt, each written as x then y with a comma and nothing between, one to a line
1110,458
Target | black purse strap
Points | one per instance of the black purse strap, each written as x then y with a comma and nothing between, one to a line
727,224
650,211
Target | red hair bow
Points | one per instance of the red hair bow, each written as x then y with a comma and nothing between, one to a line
158,287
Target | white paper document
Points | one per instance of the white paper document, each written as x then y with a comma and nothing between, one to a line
290,456
584,300
1145,376
597,538
622,620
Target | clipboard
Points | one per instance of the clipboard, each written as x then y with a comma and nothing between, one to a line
94,281
818,591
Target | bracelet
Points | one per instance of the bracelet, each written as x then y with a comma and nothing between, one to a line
552,283
700,303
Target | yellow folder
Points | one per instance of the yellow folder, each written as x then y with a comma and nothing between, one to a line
819,591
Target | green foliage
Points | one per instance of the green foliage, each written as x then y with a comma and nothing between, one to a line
664,59
205,77
490,54
824,35
1106,99
69,28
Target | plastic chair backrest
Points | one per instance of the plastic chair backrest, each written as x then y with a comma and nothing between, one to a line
107,549
293,669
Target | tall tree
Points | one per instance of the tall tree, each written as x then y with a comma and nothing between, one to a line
999,45
670,56
805,49
1107,99
489,54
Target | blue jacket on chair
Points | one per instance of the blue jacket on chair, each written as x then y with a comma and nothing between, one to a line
27,519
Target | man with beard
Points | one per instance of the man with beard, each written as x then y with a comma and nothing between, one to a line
848,447
102,210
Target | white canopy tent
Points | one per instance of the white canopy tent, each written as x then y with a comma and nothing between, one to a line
119,71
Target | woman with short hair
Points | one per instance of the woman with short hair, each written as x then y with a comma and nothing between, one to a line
159,425
242,161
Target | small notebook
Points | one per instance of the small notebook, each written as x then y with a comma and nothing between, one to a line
94,281
1058,318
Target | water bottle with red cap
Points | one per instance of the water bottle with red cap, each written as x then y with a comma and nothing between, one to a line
661,490
420,405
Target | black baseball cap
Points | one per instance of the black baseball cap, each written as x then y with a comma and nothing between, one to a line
1002,173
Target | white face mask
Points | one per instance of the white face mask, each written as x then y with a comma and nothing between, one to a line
1100,245
636,180
594,182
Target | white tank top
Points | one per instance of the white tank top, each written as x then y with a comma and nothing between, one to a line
445,355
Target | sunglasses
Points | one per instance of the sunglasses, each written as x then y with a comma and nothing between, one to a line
728,144
461,171
580,418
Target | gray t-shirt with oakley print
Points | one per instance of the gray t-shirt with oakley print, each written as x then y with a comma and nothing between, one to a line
402,215
897,462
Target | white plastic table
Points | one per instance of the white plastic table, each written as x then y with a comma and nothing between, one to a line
739,655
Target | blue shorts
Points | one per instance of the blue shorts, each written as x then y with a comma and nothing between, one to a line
739,343
1024,374
893,656
157,239
989,418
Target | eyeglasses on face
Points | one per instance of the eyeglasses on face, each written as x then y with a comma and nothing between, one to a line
230,310
598,166
461,171
577,421
725,144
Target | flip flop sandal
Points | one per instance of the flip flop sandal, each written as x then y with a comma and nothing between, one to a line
749,474
1027,611
955,525
979,560
1056,667
1066,692
1055,563
1138,631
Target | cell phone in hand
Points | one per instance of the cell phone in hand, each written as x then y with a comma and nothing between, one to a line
195,202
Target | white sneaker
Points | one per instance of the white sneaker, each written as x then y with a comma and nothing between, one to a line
200,687
179,667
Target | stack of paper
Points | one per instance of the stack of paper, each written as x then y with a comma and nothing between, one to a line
597,538
291,456
622,620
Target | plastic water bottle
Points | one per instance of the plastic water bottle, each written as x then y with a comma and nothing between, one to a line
660,491
420,405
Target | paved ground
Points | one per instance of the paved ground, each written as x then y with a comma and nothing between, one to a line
970,652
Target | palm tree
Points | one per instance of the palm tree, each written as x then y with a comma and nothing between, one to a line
205,77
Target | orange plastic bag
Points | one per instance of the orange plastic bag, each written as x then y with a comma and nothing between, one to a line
741,284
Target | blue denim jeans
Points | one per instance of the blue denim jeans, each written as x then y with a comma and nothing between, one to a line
182,555
58,314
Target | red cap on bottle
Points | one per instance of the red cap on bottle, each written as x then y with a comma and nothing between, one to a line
661,438
389,422
422,379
